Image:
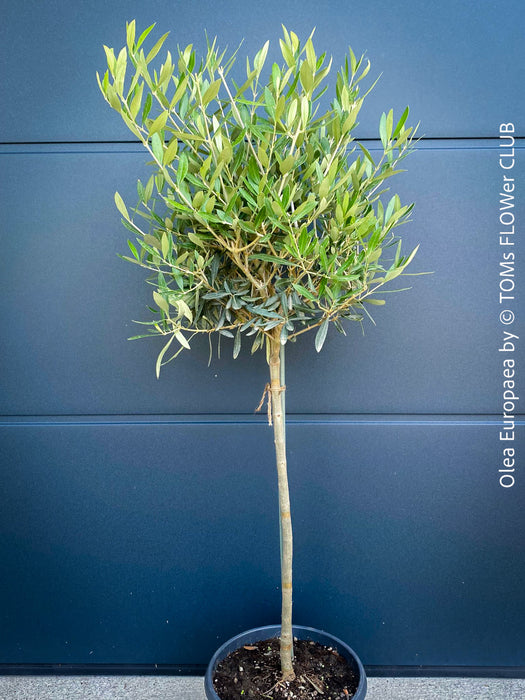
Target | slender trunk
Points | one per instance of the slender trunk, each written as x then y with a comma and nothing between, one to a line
278,416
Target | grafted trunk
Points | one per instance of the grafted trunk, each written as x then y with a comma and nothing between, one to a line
278,417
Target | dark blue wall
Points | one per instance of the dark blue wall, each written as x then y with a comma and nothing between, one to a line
138,518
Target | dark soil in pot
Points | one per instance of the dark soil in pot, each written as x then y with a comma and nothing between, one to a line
253,671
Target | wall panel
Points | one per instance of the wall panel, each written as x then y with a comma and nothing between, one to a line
458,65
405,543
70,301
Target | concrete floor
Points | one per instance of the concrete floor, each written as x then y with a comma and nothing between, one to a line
191,688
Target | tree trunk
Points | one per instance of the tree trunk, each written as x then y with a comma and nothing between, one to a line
278,416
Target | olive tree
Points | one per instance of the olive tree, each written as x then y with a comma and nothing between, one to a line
264,217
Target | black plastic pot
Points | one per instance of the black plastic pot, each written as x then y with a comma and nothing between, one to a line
260,633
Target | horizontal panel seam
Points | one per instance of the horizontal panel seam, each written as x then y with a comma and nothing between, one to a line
290,421
122,669
399,670
425,145
115,153
88,142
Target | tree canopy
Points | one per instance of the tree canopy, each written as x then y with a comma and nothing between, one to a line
262,210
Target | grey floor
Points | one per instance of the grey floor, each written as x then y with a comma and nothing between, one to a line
191,688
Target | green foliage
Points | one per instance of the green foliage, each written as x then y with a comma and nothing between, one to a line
260,213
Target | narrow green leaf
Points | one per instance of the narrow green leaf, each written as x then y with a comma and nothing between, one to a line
157,147
152,241
307,77
260,311
182,169
198,199
270,258
304,209
276,77
227,152
121,206
144,34
302,290
166,71
133,250
179,92
382,130
269,102
292,113
410,257
295,41
389,124
136,102
320,336
277,208
287,164
401,123
161,302
196,240
147,107
215,295
205,167
348,123
304,240
110,58
130,34
305,110
246,84
287,54
237,344
113,98
389,209
366,153
171,151
256,343
161,355
210,204
324,187
154,51
310,54
353,61
184,309
148,191
212,92
131,126
120,70
159,123
260,58
391,274
280,107
165,245
103,84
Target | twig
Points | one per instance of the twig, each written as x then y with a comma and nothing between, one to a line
319,690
